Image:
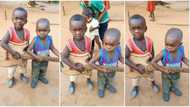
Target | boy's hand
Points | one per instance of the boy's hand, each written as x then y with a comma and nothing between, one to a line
140,68
16,55
79,67
39,58
185,70
120,69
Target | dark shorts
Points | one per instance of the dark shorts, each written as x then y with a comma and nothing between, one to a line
39,69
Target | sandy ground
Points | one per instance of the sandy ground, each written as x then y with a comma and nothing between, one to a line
176,16
83,96
23,94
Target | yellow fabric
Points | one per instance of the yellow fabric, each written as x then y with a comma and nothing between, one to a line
138,59
78,59
8,60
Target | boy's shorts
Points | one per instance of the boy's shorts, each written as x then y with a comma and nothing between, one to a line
105,79
39,69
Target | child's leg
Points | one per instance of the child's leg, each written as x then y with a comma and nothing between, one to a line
43,70
166,84
109,83
135,85
72,86
35,73
152,16
175,88
11,71
155,87
92,48
101,84
23,71
88,74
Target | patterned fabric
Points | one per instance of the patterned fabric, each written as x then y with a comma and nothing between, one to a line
40,48
75,50
136,50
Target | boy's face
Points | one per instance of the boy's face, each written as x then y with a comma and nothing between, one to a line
19,19
137,28
78,29
110,43
42,30
88,19
172,44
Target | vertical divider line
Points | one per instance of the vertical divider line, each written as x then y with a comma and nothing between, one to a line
60,37
124,53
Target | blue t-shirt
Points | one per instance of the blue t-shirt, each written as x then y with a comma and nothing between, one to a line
40,48
168,61
104,58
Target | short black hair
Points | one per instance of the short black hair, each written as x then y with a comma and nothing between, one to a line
114,33
87,12
176,33
137,16
20,9
77,17
42,20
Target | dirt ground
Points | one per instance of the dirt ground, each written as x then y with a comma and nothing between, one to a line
22,94
56,92
176,16
83,96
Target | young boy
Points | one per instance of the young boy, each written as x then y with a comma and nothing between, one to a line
108,58
77,52
99,12
139,51
39,49
171,56
14,41
92,25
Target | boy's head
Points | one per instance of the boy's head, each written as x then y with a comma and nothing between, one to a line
88,14
77,26
42,27
137,26
19,18
173,39
111,39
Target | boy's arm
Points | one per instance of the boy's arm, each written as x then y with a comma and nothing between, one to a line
54,50
121,59
65,58
30,52
93,28
128,62
4,45
97,40
93,61
185,61
155,61
101,14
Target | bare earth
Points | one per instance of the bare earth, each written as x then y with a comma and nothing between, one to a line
177,16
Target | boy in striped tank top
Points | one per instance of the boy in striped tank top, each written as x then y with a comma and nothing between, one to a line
77,53
138,54
172,57
14,42
39,50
